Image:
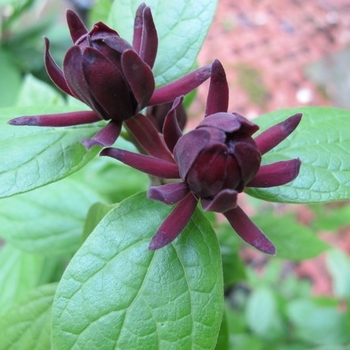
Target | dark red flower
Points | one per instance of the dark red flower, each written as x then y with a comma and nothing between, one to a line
158,113
215,162
112,77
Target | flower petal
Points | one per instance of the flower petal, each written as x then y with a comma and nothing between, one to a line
277,133
225,200
276,174
182,86
148,137
187,149
169,193
61,119
248,169
140,77
248,231
149,40
75,25
171,129
229,123
218,95
108,89
105,137
175,222
138,28
147,164
75,79
54,71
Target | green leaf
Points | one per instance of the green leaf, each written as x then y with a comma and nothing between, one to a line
317,324
19,273
262,314
181,25
117,293
322,142
112,179
223,338
10,80
35,92
27,324
96,213
35,156
292,240
233,266
338,264
48,220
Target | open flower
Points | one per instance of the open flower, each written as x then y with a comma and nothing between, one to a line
112,77
215,162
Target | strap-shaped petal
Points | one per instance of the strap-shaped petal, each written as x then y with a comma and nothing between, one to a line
75,25
148,137
169,193
138,28
225,200
139,76
217,100
171,129
54,71
57,120
276,174
182,86
277,133
147,164
149,40
175,222
105,137
248,231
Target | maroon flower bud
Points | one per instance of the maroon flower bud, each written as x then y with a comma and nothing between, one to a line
111,76
104,71
213,157
215,162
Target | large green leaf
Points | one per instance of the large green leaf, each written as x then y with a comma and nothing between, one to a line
35,156
27,324
322,142
48,220
182,26
19,273
117,293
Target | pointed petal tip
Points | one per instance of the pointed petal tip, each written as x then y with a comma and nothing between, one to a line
264,246
89,143
159,240
30,121
218,95
292,122
272,136
75,25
